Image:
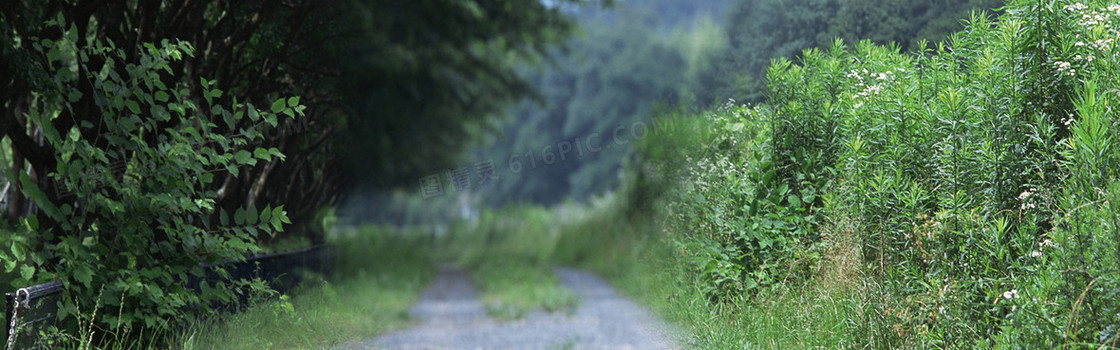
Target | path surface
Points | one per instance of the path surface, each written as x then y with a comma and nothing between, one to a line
452,318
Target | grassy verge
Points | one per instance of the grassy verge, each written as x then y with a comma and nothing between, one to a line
382,272
641,260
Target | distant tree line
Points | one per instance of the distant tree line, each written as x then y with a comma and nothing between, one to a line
639,55
759,30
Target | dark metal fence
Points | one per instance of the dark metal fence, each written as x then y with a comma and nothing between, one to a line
38,304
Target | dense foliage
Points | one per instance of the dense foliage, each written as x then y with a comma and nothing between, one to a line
138,224
976,178
137,155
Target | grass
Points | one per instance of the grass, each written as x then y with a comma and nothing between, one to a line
639,259
509,252
511,288
383,273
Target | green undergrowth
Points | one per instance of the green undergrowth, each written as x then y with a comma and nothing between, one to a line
648,263
379,274
961,196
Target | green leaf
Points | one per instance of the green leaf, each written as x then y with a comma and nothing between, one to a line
261,153
278,106
251,215
239,217
27,271
84,275
293,101
266,214
18,252
133,106
74,134
223,217
278,217
244,157
32,222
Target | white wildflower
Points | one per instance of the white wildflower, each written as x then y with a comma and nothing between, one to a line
1046,243
1011,294
1035,254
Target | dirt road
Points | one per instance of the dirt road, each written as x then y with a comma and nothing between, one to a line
452,318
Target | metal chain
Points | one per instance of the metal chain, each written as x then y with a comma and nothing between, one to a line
25,303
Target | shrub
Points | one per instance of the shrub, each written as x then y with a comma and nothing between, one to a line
140,219
980,175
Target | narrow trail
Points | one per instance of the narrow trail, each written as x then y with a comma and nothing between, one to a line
452,318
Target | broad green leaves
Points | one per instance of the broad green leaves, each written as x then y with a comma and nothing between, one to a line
145,182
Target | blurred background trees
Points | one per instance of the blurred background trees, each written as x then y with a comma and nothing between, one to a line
629,61
738,71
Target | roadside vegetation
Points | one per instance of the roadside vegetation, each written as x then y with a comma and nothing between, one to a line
959,196
379,274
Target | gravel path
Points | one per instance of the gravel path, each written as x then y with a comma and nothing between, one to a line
452,318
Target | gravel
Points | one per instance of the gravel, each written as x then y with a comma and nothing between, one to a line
452,318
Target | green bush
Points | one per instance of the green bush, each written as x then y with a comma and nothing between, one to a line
141,218
979,177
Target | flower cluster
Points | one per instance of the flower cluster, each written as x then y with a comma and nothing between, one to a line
1024,198
1064,67
1089,18
1095,32
873,84
1099,45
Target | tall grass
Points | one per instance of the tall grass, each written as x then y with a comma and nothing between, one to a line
380,273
